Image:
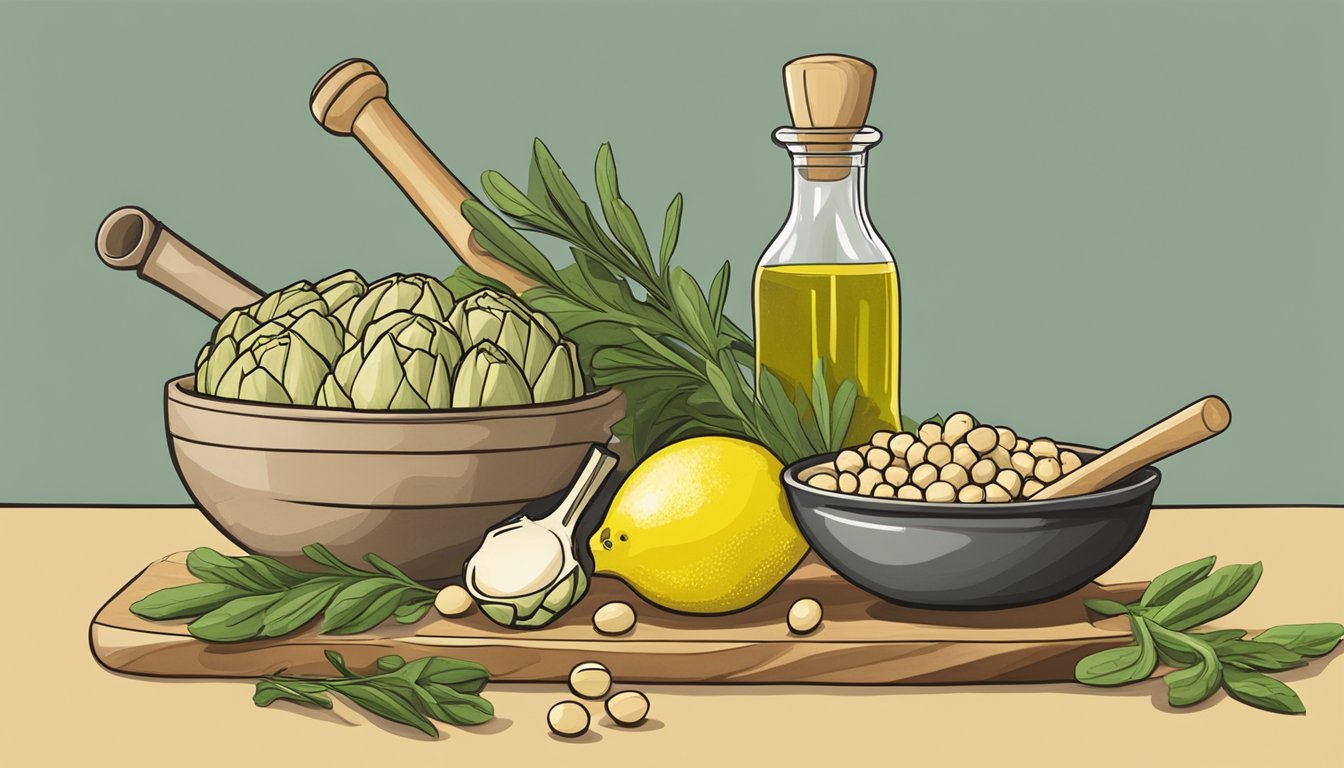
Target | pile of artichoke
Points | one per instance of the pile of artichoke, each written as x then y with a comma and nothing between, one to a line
399,343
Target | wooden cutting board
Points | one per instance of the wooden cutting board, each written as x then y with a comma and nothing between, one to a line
862,640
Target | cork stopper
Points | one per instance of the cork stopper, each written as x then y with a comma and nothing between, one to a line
829,92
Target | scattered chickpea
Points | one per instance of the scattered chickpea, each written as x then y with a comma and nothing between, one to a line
924,475
956,426
590,680
614,618
804,616
1048,470
939,454
940,491
452,600
971,494
569,719
628,708
982,439
849,461
930,433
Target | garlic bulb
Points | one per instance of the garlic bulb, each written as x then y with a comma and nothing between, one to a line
526,572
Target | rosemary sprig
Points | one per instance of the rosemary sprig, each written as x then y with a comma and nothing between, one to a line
1185,597
411,693
685,367
251,597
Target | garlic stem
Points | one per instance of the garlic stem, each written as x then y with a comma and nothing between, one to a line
599,464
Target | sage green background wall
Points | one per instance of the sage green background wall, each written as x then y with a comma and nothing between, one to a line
1101,210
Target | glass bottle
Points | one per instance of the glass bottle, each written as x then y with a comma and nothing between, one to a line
826,287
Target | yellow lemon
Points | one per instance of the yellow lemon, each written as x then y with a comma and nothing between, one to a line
701,526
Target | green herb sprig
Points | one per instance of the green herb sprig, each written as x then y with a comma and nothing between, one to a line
1184,598
251,597
411,693
644,325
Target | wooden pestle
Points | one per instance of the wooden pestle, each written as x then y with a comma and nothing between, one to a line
829,91
1192,424
130,238
351,100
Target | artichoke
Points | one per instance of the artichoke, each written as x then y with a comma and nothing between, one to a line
549,363
296,351
488,377
403,361
341,291
419,294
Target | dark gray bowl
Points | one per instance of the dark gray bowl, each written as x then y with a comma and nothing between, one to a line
971,556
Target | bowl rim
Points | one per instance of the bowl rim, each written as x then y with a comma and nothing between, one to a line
1142,481
182,390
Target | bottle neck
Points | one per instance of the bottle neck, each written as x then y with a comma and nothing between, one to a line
832,193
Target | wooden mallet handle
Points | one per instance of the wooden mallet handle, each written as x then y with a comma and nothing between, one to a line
130,238
351,100
1192,424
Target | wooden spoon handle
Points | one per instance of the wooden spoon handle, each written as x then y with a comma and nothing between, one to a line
1192,424
130,238
351,100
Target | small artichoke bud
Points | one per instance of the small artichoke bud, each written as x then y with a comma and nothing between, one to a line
488,378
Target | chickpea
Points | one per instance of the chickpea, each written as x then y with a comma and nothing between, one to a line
915,455
909,493
863,450
982,439
954,474
971,494
1042,447
804,616
884,491
1048,470
868,480
895,475
824,482
1007,438
568,719
1024,464
940,492
628,708
930,432
1069,461
849,461
614,618
983,471
590,680
820,469
1020,445
848,482
882,439
1031,488
924,475
878,458
453,600
1010,481
1001,458
997,494
963,455
900,444
939,455
956,426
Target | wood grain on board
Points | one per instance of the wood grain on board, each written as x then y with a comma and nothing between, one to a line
862,640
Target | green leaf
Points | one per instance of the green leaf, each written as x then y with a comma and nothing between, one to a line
323,556
253,573
364,605
1216,595
186,600
671,231
1119,666
1175,581
270,691
1250,654
1262,691
387,705
389,663
1304,639
821,399
236,620
391,570
1106,607
842,411
502,242
299,605
622,221
412,612
1196,682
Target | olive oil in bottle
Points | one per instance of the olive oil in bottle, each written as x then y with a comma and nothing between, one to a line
826,287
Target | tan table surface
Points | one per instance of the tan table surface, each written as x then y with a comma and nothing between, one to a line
61,708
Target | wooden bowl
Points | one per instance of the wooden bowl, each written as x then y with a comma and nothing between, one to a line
419,488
